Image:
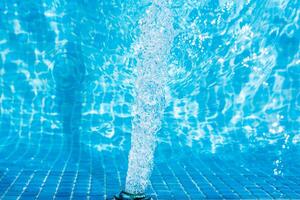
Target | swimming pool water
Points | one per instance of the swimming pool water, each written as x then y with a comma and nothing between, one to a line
230,97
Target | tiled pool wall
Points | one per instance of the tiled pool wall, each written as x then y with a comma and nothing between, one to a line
94,175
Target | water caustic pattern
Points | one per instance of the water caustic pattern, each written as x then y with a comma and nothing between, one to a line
207,79
58,74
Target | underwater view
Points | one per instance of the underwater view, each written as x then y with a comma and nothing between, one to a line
149,99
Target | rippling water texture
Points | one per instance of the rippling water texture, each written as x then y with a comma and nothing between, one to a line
70,70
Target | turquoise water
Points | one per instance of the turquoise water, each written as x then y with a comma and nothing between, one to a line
222,78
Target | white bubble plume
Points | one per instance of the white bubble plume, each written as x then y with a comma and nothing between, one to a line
151,50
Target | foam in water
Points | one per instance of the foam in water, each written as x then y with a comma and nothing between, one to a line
151,50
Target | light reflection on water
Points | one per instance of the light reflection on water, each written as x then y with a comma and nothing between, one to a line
233,75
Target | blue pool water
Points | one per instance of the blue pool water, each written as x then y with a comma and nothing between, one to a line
213,87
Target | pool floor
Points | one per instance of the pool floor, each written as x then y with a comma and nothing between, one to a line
88,174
